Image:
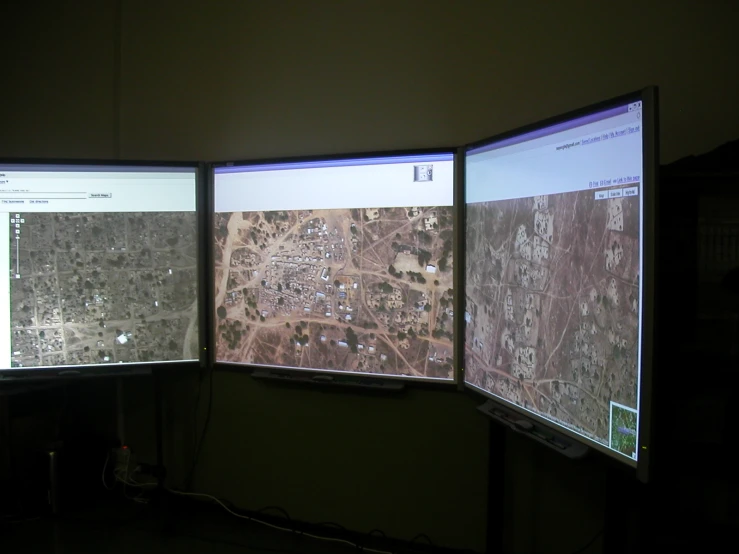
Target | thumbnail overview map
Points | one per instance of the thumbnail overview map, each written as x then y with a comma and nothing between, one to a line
358,290
96,288
552,308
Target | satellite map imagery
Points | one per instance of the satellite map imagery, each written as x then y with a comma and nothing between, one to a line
552,306
356,290
96,288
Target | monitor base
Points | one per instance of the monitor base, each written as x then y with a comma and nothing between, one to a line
322,379
40,375
541,434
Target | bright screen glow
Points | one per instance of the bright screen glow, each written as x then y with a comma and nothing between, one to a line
98,265
553,264
341,265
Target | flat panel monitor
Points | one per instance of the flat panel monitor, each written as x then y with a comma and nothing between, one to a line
99,266
559,234
337,265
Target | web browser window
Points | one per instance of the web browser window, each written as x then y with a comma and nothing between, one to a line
338,266
99,265
554,246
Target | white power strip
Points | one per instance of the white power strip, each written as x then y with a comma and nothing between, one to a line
121,458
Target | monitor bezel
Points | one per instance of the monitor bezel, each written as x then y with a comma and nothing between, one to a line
134,368
650,162
407,380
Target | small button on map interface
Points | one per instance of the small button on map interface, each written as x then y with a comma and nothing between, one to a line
423,173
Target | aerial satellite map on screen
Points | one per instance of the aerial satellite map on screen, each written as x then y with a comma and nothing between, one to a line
553,304
103,288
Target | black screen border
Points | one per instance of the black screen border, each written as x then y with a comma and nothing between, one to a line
456,214
650,161
136,368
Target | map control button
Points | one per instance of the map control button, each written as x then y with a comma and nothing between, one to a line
631,191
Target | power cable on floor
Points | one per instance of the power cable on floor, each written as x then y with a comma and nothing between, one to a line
590,543
278,527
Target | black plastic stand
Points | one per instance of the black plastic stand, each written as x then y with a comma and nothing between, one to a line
494,540
160,499
159,429
627,510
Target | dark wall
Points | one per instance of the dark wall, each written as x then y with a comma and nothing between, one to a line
226,79
246,79
57,97
289,77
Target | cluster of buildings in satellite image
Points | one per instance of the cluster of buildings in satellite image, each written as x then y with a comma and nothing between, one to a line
357,290
96,288
552,307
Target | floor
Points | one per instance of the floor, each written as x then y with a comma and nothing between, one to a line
142,532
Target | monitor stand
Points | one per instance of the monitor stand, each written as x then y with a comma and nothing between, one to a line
527,426
38,376
327,380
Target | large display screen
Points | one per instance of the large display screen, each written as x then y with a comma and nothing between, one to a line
342,265
99,265
554,231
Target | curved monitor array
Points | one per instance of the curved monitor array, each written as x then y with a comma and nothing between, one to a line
527,258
